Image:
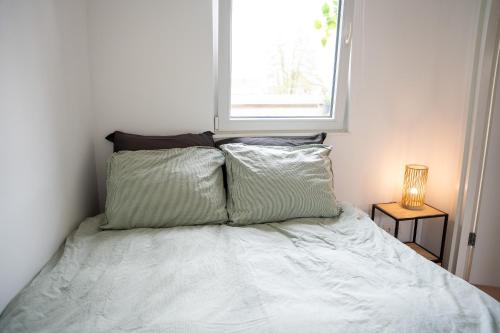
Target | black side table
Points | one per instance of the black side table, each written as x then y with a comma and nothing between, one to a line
398,214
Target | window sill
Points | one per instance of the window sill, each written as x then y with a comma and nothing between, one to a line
232,134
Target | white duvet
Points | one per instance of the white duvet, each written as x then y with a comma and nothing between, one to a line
303,275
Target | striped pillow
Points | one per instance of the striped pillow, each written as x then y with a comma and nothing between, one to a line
267,184
165,188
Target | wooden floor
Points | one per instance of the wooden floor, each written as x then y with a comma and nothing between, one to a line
492,291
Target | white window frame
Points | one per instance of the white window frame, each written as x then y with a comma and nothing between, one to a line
223,123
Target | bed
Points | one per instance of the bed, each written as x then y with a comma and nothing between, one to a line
339,274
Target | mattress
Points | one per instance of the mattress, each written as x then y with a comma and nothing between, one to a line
302,275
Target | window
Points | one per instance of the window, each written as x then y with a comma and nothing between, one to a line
282,64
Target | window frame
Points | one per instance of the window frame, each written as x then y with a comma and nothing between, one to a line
223,122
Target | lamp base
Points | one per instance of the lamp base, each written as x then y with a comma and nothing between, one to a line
412,207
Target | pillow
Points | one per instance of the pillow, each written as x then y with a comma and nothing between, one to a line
165,188
267,184
124,141
276,140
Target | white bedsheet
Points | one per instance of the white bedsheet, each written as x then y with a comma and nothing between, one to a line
303,275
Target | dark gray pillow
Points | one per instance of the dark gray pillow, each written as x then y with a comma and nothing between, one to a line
125,141
275,140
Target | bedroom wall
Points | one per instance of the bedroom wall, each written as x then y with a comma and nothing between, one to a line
151,62
46,139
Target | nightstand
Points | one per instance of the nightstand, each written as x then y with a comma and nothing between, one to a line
399,214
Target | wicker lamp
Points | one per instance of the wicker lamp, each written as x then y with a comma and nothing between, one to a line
414,186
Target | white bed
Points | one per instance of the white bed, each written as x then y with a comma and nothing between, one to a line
303,275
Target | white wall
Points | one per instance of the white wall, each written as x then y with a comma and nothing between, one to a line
47,168
152,73
151,67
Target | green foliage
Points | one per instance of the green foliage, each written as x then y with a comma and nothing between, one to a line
325,9
328,23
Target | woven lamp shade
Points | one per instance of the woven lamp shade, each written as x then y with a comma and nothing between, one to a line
414,186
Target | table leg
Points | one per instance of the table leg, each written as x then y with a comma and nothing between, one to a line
415,227
396,230
443,239
373,213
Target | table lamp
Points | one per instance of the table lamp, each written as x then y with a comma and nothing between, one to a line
414,186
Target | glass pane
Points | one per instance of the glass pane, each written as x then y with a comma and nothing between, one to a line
283,57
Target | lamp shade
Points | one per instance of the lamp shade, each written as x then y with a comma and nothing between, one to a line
414,186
